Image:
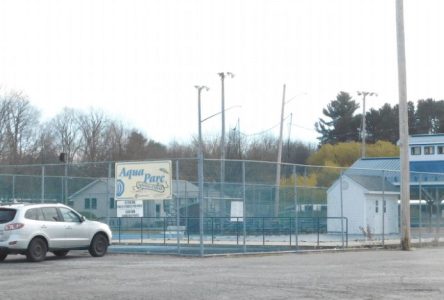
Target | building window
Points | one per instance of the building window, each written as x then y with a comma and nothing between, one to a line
377,206
385,206
87,203
415,150
93,203
440,149
111,203
429,150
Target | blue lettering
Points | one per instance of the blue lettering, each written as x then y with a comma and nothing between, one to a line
149,178
131,172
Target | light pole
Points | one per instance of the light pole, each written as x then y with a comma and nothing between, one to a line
200,166
222,138
363,132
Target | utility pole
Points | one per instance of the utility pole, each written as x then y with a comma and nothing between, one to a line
222,138
403,128
364,132
279,158
200,167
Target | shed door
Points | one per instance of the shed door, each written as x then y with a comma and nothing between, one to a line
380,209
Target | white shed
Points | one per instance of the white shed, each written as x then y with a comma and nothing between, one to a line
367,202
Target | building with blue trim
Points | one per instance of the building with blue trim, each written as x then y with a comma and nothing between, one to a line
375,184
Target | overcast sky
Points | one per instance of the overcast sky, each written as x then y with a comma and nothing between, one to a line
139,61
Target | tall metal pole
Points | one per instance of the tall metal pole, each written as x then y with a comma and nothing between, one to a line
403,128
200,169
364,131
279,158
222,138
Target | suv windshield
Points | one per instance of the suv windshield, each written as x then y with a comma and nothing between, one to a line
7,215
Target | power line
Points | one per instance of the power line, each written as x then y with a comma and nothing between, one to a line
264,131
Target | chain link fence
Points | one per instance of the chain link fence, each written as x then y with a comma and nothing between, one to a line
244,209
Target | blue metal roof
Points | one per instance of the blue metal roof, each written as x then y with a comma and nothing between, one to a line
379,163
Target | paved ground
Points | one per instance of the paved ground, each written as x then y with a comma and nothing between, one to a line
371,274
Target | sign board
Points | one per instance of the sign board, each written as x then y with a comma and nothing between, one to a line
129,208
237,211
143,180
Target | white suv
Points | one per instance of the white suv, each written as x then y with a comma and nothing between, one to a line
35,229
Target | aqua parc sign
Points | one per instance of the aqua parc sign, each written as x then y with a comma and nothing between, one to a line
138,181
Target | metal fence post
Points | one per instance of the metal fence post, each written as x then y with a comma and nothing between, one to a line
318,230
13,186
43,185
237,230
420,208
438,216
65,196
244,210
384,206
108,194
212,230
119,228
178,207
141,230
342,210
296,229
290,227
263,231
200,176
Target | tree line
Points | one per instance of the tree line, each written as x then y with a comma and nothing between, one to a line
341,123
93,136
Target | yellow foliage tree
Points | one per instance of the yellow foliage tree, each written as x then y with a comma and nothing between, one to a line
345,154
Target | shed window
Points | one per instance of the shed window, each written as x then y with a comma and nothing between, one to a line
87,203
429,150
415,150
93,203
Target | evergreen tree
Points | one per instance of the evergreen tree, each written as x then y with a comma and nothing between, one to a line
342,126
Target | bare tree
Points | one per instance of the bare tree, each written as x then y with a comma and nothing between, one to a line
21,124
66,131
92,127
4,117
44,149
263,148
116,137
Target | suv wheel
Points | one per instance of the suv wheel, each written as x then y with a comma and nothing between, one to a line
36,250
3,256
99,245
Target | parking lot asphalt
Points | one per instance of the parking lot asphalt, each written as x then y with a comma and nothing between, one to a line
370,274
